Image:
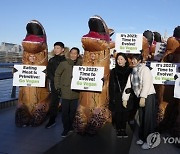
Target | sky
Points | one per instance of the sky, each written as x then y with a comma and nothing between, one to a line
67,20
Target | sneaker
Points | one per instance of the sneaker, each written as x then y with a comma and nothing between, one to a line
25,125
124,134
145,146
139,142
71,131
64,134
119,134
50,124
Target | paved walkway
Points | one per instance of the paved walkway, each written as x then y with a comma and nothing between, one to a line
38,140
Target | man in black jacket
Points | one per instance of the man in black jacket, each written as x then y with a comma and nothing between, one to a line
51,68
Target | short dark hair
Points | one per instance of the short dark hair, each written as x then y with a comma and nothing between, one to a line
137,56
177,32
75,48
59,44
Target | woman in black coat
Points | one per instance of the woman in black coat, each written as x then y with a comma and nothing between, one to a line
117,83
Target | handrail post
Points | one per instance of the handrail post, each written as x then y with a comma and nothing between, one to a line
13,92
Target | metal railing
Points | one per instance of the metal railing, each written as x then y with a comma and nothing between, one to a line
8,91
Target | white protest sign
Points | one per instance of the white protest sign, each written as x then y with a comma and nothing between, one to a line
87,78
177,87
29,75
128,43
112,63
159,51
163,73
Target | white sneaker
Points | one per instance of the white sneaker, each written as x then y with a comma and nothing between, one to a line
139,142
145,146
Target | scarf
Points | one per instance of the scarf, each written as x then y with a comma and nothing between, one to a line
136,80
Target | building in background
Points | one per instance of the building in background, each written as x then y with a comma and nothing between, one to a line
10,53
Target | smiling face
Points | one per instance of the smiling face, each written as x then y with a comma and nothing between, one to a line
121,61
58,50
135,62
32,58
73,54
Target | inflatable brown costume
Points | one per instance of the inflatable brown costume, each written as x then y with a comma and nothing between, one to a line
152,38
33,102
170,106
93,112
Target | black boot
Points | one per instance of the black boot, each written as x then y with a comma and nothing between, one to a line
51,123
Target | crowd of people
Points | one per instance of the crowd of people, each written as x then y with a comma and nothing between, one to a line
129,89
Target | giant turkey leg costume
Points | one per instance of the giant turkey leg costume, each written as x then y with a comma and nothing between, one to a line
93,112
33,102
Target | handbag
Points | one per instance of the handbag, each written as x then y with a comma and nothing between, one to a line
132,97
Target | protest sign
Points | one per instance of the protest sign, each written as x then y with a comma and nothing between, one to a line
128,43
87,78
29,75
163,73
159,51
112,63
177,87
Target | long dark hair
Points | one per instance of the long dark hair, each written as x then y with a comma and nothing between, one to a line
124,56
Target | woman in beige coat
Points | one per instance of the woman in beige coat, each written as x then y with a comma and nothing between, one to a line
141,82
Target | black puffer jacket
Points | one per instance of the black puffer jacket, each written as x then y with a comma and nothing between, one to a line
115,93
52,66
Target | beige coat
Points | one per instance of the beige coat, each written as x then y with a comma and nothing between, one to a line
146,83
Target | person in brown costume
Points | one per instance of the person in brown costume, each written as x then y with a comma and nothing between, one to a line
169,107
33,102
93,112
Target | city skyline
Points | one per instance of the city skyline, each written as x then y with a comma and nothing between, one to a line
67,21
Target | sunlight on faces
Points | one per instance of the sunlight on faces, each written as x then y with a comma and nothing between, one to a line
121,61
32,58
93,56
135,62
73,54
58,50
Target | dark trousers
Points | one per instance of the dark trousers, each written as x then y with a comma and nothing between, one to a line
120,119
148,117
53,110
69,108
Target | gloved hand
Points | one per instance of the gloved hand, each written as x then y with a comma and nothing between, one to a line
125,103
142,102
58,91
